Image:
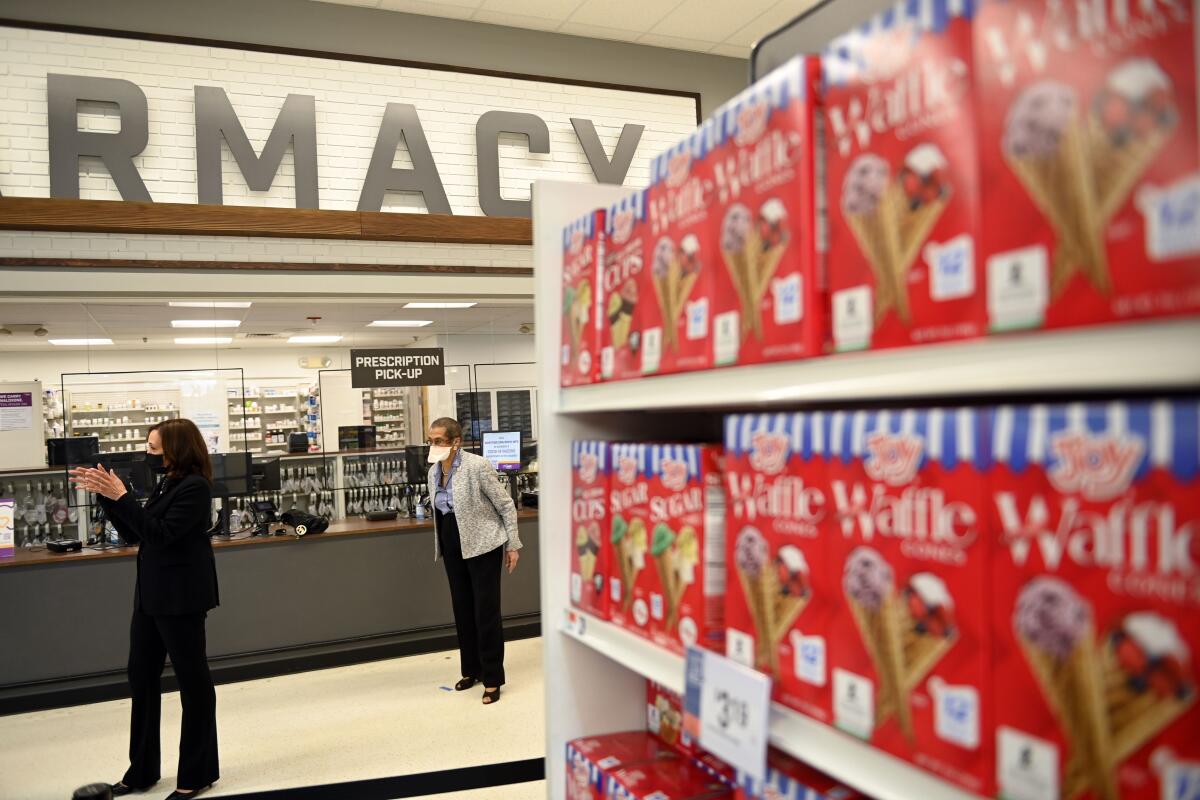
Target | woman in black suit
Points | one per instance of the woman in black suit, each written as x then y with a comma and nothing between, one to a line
176,587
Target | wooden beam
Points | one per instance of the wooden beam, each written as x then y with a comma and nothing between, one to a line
284,266
113,216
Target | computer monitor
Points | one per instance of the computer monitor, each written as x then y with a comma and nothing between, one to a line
72,451
356,437
267,475
416,462
232,474
503,449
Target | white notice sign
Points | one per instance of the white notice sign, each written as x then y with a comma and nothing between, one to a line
16,411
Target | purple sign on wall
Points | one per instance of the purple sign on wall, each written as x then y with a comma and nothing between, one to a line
16,411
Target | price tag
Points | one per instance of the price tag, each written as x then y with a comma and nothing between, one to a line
574,622
729,705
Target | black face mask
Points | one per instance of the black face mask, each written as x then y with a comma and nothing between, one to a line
156,463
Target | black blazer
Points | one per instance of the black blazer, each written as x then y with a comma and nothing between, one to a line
176,571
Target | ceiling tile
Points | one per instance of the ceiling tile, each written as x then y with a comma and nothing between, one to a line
516,20
709,20
546,9
731,50
675,43
777,16
598,31
636,15
460,10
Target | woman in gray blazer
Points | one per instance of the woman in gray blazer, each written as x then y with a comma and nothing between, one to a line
475,535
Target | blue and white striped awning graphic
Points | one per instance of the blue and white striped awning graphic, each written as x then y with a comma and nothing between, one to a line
845,58
585,224
580,448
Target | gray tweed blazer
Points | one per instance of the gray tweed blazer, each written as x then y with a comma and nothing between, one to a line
484,511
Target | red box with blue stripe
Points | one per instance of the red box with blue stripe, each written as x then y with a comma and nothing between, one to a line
591,760
903,178
1095,511
781,597
583,254
910,648
590,527
623,299
764,235
677,779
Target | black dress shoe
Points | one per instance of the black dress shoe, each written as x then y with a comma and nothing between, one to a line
120,789
178,795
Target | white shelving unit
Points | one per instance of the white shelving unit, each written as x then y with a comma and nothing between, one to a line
594,670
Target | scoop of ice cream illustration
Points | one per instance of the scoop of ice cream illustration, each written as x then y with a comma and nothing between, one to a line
864,184
587,545
1132,117
1056,633
689,253
792,570
750,552
930,604
1048,148
735,228
772,223
867,578
1153,656
664,258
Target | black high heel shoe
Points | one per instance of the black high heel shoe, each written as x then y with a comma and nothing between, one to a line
464,684
178,795
491,696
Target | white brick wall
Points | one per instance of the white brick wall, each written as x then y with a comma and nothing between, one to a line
350,99
24,244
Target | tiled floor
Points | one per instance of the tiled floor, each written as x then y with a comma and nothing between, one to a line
371,721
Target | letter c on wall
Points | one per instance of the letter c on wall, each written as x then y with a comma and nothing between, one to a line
487,147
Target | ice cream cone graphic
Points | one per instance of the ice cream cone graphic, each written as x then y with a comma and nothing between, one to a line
925,195
1131,119
872,214
790,591
736,247
665,271
581,314
750,560
687,557
664,558
766,245
927,632
1047,147
1056,634
870,590
587,545
1145,671
621,306
689,273
629,542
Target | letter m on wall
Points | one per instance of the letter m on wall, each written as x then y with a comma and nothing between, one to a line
216,121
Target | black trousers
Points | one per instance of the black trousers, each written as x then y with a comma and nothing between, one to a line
475,595
151,640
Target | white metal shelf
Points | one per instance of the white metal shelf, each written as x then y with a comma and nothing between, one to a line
1134,356
850,760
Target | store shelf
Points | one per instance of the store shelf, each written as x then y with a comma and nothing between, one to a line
1160,355
144,424
125,411
850,760
282,411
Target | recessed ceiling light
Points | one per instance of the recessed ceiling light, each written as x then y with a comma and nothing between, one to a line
400,323
205,323
203,339
79,342
213,304
439,305
313,339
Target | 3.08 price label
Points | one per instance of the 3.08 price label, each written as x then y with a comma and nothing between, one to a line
727,706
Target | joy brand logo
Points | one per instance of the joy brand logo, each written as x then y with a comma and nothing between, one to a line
769,452
893,458
576,242
627,470
588,466
1097,467
622,226
678,167
674,475
752,123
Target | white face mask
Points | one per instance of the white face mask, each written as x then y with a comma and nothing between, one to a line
438,453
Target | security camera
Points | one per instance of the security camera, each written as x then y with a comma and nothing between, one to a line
40,331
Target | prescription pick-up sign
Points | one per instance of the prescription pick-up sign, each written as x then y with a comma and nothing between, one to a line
405,366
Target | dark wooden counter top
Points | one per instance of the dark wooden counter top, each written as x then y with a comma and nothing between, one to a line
350,527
